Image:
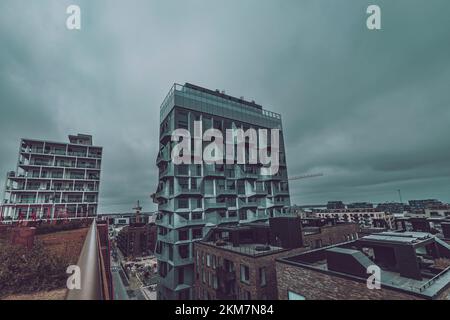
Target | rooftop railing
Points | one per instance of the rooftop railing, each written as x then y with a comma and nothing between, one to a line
94,278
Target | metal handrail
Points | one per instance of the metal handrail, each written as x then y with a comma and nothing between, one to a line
89,263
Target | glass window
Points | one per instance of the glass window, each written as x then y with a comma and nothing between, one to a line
262,276
295,296
245,274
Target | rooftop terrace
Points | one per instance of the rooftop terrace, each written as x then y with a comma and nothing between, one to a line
218,103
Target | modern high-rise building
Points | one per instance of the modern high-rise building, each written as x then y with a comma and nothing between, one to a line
194,197
53,180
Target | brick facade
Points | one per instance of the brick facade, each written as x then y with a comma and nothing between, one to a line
211,289
316,285
329,235
137,240
253,290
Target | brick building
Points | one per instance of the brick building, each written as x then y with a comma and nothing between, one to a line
319,233
138,239
238,262
413,265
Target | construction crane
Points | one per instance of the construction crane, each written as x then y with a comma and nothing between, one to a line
306,176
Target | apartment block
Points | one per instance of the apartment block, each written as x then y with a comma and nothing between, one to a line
53,180
194,197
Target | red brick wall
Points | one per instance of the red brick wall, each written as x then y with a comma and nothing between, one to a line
314,285
330,235
269,291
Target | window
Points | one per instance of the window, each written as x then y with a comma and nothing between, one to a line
184,183
182,169
183,235
183,251
214,261
182,120
197,233
181,275
208,260
245,274
193,183
295,296
183,203
262,276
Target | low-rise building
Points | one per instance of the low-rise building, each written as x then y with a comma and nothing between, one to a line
137,239
237,262
364,217
412,265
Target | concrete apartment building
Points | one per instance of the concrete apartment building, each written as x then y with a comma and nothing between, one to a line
237,262
413,266
53,180
195,197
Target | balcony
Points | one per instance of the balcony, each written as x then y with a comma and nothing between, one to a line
280,192
249,204
168,206
162,194
225,192
183,222
241,174
211,204
184,190
210,170
284,202
87,166
259,192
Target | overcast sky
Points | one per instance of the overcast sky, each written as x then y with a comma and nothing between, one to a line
368,109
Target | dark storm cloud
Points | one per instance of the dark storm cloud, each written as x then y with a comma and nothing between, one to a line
371,110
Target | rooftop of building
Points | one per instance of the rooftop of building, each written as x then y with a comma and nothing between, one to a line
75,140
217,98
248,249
251,239
414,262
